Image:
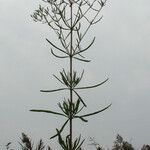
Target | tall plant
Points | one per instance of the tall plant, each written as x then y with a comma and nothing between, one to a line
70,20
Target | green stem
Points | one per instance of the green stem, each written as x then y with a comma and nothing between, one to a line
71,70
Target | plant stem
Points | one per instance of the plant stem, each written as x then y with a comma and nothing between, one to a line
71,70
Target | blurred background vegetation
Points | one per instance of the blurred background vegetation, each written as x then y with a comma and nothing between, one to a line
26,143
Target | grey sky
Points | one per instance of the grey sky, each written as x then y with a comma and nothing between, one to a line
121,52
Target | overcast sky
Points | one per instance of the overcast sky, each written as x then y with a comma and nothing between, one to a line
121,52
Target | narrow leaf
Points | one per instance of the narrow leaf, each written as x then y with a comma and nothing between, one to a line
60,129
54,90
80,117
80,98
47,111
56,47
84,60
93,86
58,55
94,113
58,79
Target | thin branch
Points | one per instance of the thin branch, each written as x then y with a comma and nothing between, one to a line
86,47
90,23
97,20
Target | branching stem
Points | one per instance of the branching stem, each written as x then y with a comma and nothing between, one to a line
65,18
